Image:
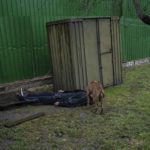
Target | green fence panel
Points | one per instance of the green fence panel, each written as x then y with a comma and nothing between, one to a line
135,35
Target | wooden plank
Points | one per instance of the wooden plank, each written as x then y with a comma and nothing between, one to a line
27,83
22,120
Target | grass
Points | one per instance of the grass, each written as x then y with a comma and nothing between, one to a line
124,126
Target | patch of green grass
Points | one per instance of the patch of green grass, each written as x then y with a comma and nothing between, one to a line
124,126
17,145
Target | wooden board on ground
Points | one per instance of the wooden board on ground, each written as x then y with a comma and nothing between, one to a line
22,120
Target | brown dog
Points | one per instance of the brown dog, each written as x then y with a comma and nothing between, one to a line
96,92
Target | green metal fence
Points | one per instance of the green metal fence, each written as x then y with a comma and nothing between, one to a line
135,35
24,49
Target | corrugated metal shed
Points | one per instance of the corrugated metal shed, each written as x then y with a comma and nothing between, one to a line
85,49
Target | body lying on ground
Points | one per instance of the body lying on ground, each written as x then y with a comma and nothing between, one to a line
64,99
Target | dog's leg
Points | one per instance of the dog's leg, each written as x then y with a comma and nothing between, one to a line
95,101
102,105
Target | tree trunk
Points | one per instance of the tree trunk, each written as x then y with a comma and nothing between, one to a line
145,18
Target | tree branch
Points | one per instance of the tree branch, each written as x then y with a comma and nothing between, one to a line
145,18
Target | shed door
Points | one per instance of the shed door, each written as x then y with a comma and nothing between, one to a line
106,51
